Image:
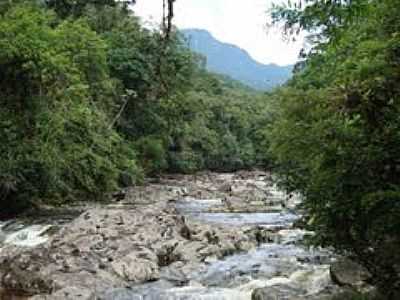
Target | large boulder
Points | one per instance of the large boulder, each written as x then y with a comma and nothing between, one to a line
135,269
277,293
285,292
112,247
346,272
22,272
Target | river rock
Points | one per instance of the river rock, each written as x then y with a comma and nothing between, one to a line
142,238
289,293
114,247
21,272
68,293
121,294
135,269
277,293
3,236
345,272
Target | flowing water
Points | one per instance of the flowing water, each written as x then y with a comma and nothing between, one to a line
20,234
31,231
286,265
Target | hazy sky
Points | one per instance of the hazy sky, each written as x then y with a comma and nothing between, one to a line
238,22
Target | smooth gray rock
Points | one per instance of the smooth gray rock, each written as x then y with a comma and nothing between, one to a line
111,247
345,272
278,293
69,293
121,294
135,269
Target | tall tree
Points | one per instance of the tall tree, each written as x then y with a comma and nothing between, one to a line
75,8
335,137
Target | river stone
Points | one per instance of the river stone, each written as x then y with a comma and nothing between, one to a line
135,269
226,187
3,236
278,293
174,273
121,294
22,273
285,292
345,272
68,293
141,292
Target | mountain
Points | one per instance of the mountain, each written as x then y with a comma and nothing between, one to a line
235,62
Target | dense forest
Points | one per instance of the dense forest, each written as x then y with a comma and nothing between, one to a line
92,101
335,135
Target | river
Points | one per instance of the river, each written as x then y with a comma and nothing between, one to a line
282,266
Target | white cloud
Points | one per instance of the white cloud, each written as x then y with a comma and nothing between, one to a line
238,22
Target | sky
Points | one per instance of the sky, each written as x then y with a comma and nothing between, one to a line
242,23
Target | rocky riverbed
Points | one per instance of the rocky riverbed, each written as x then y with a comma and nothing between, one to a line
209,236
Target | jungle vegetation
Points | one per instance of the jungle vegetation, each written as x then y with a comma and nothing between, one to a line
90,100
335,136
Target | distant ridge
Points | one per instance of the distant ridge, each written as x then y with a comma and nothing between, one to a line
235,62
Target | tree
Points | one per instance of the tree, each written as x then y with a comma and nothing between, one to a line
335,136
76,8
55,110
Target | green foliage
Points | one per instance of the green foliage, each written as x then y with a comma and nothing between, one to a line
90,98
189,111
152,154
335,137
56,142
215,127
324,19
77,8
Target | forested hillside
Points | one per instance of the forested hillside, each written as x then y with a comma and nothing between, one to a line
91,101
335,138
231,60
